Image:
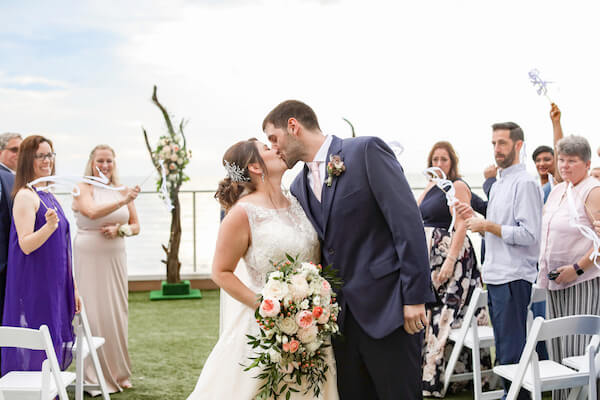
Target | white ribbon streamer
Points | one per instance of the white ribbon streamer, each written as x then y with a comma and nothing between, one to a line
433,174
586,231
397,148
71,181
551,180
541,86
163,186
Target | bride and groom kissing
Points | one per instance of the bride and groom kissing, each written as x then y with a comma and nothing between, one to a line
350,207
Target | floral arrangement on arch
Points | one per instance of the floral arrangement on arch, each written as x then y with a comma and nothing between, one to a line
297,318
174,156
169,158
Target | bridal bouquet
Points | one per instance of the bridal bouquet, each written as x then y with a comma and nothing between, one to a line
297,318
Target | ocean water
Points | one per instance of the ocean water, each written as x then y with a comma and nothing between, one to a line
144,251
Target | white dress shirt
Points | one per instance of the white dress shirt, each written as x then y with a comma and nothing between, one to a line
321,157
516,202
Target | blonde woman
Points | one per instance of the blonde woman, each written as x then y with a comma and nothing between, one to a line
104,218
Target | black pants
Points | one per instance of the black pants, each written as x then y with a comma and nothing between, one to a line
378,369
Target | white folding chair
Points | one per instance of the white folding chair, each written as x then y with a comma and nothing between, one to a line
537,294
540,376
474,337
86,345
45,384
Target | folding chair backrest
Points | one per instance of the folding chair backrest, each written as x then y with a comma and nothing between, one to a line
35,339
571,325
21,337
537,294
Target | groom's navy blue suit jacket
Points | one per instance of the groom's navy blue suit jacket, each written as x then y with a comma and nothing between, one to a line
372,233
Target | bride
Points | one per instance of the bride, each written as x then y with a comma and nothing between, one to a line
262,225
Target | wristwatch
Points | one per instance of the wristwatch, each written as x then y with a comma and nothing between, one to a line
578,269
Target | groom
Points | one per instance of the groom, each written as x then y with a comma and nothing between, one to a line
371,231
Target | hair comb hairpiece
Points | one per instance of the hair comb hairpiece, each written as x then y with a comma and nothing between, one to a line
235,173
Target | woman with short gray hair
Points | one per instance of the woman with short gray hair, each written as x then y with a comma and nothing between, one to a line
565,268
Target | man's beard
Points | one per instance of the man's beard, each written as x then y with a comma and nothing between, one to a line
293,153
509,159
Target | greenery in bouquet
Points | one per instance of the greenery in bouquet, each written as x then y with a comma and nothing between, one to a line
297,317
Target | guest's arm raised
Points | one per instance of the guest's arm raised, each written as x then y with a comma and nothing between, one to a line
85,204
26,205
555,115
232,242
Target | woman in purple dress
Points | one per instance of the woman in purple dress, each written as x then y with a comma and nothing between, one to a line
40,289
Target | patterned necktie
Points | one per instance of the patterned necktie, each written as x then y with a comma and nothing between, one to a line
316,179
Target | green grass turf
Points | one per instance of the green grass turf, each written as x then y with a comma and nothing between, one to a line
169,342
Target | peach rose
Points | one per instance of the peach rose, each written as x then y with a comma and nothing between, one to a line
324,317
304,319
292,346
317,312
269,308
325,288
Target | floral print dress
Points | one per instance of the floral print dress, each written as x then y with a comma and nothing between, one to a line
454,296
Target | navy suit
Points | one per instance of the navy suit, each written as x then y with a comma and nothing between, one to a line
6,185
371,231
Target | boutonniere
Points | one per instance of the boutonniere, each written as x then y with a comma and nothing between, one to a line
335,167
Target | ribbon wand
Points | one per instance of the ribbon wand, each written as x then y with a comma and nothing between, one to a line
541,86
39,197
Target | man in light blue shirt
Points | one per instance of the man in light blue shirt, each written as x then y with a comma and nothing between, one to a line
512,238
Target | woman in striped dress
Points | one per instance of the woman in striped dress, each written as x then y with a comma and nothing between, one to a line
565,250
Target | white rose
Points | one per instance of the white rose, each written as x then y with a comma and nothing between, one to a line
274,355
288,326
299,287
180,161
313,346
316,300
304,305
310,268
275,274
308,335
173,157
275,289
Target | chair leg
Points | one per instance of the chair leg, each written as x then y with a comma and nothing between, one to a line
476,360
79,362
458,346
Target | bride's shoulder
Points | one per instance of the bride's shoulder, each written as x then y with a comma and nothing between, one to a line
236,216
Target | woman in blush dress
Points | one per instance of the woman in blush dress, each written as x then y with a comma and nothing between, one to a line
39,285
104,217
454,273
262,224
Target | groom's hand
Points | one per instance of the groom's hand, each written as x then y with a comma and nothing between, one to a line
414,318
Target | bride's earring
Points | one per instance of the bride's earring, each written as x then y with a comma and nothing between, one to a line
263,177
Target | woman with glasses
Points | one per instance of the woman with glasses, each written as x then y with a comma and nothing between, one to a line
104,217
40,289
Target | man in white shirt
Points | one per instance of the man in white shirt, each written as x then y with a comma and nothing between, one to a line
9,151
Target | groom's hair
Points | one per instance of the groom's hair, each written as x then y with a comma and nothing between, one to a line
280,115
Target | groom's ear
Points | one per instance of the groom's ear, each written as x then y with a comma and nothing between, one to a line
294,126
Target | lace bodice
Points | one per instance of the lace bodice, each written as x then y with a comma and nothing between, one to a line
275,233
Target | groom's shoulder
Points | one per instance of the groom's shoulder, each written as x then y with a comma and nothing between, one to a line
361,142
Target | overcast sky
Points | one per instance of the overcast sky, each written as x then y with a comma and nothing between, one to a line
416,72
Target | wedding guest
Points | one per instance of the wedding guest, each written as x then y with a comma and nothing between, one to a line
543,157
6,185
9,151
39,286
454,271
104,218
595,172
565,251
512,230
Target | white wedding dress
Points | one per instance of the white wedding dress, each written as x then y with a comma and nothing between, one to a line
274,233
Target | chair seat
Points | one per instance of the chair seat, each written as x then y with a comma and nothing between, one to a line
485,333
552,375
578,363
28,383
97,342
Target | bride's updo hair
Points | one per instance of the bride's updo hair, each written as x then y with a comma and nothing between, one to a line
238,183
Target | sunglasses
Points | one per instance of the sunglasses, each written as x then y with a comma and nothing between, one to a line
13,149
